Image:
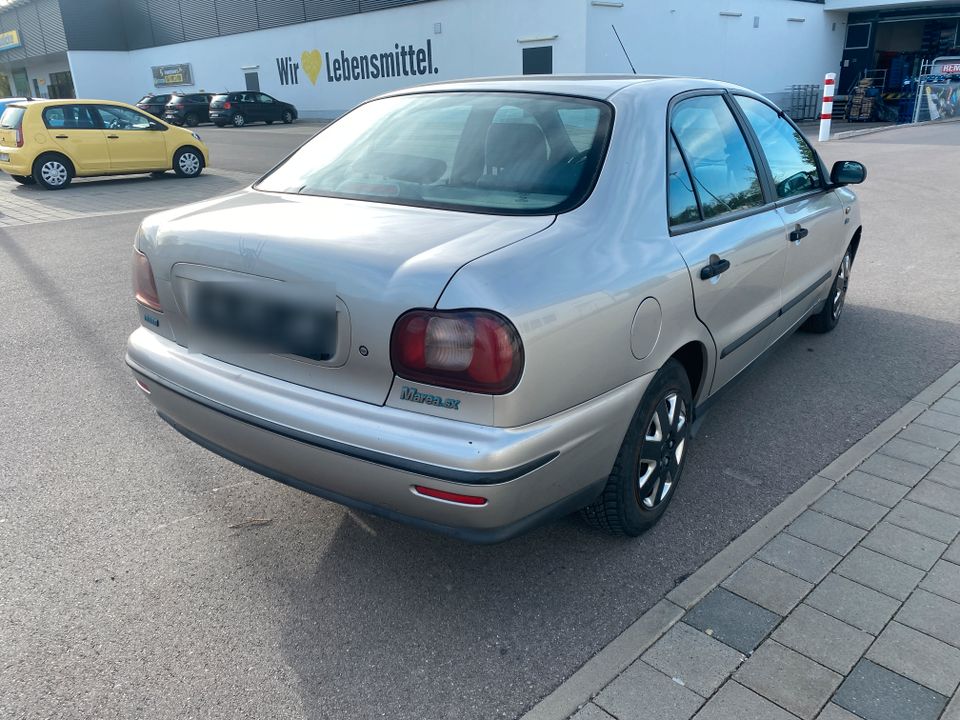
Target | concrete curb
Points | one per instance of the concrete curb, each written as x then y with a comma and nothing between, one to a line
623,650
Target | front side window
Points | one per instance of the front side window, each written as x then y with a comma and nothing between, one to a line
724,173
681,200
501,153
120,118
71,117
792,161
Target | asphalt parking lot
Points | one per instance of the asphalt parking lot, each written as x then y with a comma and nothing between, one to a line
143,577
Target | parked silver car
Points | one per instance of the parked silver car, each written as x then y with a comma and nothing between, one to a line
475,306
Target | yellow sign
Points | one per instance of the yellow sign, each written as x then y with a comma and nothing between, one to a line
9,39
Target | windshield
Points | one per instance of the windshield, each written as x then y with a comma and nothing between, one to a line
12,117
501,153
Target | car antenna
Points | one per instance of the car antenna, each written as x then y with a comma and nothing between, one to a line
624,49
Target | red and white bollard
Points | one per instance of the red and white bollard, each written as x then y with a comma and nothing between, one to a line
826,112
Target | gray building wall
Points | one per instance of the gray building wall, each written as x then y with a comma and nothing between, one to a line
40,27
136,24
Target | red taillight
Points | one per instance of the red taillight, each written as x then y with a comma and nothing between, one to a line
226,106
449,496
472,350
144,288
18,134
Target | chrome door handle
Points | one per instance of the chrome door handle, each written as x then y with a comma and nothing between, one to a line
113,137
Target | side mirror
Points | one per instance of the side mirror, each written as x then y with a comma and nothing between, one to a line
848,172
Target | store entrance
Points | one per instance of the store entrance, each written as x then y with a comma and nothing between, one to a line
884,61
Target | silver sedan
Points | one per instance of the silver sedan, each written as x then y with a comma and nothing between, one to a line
477,306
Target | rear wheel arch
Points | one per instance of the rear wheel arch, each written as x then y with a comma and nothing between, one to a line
693,358
58,155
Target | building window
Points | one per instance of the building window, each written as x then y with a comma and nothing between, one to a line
858,36
538,60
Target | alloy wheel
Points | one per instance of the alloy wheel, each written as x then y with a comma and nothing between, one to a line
661,454
54,173
840,287
239,120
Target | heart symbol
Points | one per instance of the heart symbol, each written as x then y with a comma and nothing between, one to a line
311,62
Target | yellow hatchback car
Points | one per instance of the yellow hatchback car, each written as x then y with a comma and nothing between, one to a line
50,142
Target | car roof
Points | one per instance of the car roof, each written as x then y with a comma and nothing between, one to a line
600,87
73,101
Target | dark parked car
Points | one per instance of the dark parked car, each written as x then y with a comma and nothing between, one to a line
244,107
154,104
189,110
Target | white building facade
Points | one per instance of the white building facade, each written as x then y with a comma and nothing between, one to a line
326,56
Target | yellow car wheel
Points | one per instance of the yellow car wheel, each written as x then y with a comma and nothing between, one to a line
188,162
53,171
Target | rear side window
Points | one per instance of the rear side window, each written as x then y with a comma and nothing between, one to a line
681,200
792,161
12,118
724,173
71,117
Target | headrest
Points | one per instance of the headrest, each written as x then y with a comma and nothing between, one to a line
511,143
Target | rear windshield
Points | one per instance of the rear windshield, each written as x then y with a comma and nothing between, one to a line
12,117
499,153
220,98
154,99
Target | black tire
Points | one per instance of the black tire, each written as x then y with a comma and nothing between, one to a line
828,318
239,120
191,120
287,117
638,492
188,162
53,171
24,179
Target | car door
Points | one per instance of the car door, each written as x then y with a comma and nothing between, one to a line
132,140
270,107
77,131
727,229
252,107
812,213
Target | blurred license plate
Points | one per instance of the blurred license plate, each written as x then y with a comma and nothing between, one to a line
249,317
4,157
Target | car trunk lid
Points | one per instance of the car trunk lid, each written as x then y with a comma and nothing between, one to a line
376,261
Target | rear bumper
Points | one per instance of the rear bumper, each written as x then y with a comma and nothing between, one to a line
18,164
371,457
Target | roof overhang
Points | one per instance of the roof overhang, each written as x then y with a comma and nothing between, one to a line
858,5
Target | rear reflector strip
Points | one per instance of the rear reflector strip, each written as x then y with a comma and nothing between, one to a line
472,500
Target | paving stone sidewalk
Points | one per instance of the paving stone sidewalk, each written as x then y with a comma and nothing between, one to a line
88,197
851,611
